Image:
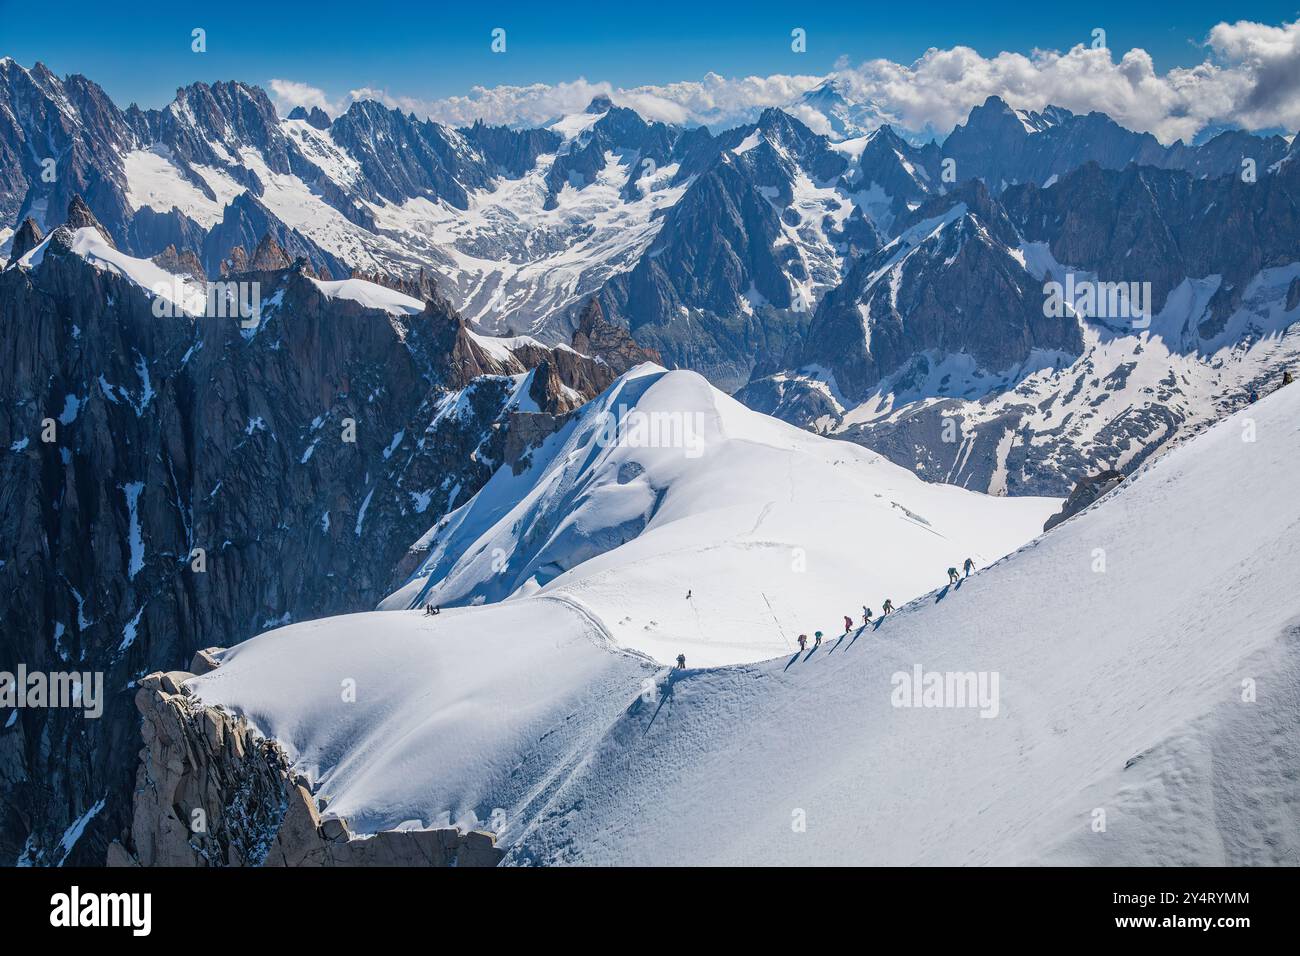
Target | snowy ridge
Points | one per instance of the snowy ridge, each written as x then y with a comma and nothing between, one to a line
663,486
1118,689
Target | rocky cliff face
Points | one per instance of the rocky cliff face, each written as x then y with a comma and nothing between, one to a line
941,352
210,791
1087,489
951,281
168,483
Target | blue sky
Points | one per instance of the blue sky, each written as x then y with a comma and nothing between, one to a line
141,52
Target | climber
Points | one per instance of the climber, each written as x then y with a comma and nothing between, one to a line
1287,377
688,594
681,662
968,567
888,607
953,576
866,615
803,641
848,624
817,642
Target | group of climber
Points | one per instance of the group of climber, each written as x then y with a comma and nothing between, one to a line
887,609
432,609
954,577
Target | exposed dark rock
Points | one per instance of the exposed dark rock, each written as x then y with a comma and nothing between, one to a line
317,117
513,151
27,238
176,434
610,343
180,263
1086,490
268,256
80,217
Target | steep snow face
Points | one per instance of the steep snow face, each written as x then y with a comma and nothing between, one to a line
153,180
664,487
1147,660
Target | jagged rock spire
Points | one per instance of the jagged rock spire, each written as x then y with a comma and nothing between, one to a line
27,238
80,217
612,344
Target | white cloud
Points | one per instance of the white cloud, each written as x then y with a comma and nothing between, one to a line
286,94
1250,76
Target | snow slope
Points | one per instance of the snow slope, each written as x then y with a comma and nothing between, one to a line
1119,690
453,716
663,485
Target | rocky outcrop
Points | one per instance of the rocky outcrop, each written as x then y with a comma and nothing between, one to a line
421,286
80,217
246,222
211,791
1086,490
318,118
612,344
235,262
27,238
268,256
184,263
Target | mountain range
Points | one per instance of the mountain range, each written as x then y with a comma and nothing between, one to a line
446,313
866,283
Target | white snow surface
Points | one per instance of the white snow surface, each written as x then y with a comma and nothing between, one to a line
663,485
454,715
371,295
1120,688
